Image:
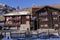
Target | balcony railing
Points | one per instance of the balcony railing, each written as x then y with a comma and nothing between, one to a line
6,24
14,19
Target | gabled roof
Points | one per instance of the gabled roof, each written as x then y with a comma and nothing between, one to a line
17,13
55,5
47,6
38,7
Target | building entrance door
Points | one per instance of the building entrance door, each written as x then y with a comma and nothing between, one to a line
33,23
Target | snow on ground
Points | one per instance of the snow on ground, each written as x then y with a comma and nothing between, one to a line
7,37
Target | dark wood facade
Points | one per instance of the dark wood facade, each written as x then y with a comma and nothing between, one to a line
48,17
45,17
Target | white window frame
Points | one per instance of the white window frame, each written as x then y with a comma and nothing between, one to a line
42,25
43,14
44,19
54,13
56,25
55,18
45,25
27,22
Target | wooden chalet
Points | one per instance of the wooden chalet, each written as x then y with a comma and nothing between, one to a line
19,20
48,17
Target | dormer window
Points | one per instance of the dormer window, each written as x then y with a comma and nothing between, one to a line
8,18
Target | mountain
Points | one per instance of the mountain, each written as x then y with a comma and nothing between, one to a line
5,9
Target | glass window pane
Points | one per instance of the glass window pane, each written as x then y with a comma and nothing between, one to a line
42,25
27,17
44,19
46,25
54,13
55,18
56,25
43,14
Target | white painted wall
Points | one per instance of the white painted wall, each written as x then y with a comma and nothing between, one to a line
24,26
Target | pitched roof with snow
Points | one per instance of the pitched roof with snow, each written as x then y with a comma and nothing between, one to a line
17,13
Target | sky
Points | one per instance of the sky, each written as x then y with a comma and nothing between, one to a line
28,3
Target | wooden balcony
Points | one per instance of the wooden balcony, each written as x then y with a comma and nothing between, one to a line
14,19
6,24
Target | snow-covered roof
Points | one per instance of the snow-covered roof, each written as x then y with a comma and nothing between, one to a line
17,13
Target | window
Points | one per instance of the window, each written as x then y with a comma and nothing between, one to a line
16,23
46,25
27,17
55,18
43,14
17,17
55,25
9,22
54,13
42,25
8,18
44,19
